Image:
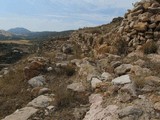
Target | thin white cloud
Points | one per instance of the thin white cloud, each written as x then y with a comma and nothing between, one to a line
60,15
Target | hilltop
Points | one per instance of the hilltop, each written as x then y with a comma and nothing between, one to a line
108,72
19,31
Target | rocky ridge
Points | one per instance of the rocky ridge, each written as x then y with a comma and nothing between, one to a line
141,24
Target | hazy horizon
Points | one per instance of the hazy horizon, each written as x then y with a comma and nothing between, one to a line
60,15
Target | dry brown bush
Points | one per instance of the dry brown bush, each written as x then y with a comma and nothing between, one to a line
149,47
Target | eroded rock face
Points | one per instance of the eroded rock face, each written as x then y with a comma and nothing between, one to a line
22,114
130,110
97,112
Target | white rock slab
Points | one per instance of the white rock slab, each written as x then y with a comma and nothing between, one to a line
122,80
41,101
22,114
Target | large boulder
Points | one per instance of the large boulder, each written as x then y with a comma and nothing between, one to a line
36,65
37,81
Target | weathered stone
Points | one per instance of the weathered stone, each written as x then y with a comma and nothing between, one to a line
97,112
122,80
157,106
140,26
36,65
139,62
30,73
39,59
41,101
154,58
130,88
152,81
146,5
76,62
112,57
60,57
138,7
37,81
86,69
113,89
136,54
145,17
157,18
152,26
122,69
147,89
22,114
51,108
77,87
49,69
106,76
156,34
130,110
43,91
115,64
95,82
154,10
121,29
124,97
158,27
138,71
136,13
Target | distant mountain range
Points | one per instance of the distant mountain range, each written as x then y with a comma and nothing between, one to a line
23,33
19,31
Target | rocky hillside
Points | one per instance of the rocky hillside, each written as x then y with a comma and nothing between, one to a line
5,33
109,72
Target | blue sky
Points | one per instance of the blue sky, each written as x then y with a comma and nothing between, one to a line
59,15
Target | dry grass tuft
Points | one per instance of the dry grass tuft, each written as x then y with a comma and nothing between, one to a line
139,81
13,91
149,47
